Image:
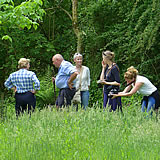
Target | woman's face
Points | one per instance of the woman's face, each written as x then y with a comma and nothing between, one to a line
105,60
78,60
129,80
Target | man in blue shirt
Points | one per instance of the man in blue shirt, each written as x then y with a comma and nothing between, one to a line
22,82
64,80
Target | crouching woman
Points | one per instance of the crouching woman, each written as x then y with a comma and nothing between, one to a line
141,85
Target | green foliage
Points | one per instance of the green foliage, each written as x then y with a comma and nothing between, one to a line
96,95
7,37
23,15
46,95
129,28
15,18
7,109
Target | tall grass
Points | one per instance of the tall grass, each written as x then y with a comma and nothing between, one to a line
92,134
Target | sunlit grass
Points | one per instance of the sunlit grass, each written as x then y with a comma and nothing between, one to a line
91,134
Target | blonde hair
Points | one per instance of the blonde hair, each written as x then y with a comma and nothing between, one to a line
23,62
109,55
131,73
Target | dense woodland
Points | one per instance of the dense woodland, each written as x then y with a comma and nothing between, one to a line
39,29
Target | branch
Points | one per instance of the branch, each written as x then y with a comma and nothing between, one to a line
65,12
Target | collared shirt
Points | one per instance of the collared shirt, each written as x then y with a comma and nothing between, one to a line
23,80
64,72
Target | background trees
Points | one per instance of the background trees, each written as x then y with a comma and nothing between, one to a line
129,28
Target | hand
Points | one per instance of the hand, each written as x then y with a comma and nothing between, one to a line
53,79
34,92
70,85
103,64
114,96
14,89
103,82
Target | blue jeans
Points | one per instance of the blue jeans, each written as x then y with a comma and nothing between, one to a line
149,106
84,99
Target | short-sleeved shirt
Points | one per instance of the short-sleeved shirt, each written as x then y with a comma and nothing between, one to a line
147,88
23,80
64,73
111,75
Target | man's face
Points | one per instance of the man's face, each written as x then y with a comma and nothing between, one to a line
55,62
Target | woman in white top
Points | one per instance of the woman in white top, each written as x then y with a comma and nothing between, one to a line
142,85
84,83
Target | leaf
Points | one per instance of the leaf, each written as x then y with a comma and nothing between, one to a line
39,2
35,25
6,37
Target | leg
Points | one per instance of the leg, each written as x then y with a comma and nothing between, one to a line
151,104
69,94
119,103
60,99
31,102
105,100
84,99
18,107
113,103
18,110
143,108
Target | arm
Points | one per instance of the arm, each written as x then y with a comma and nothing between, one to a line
8,84
134,90
127,89
89,81
36,83
103,69
115,73
111,83
71,79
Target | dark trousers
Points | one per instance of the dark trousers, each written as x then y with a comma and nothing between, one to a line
65,97
25,102
114,103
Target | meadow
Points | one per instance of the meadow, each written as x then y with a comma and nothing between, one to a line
93,134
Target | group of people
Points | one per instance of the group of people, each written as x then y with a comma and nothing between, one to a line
72,78
110,78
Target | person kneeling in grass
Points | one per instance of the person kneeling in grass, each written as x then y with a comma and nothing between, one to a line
142,85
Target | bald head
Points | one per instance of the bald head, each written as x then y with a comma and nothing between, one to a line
57,60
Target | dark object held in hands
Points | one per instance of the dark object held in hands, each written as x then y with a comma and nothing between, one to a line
112,91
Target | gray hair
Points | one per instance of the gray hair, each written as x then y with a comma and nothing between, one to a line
77,55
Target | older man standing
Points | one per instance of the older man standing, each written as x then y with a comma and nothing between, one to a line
22,82
64,80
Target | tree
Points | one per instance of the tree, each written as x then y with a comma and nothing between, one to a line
13,17
73,16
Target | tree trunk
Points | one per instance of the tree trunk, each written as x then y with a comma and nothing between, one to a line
75,25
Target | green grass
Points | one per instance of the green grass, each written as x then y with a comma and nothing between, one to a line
93,134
